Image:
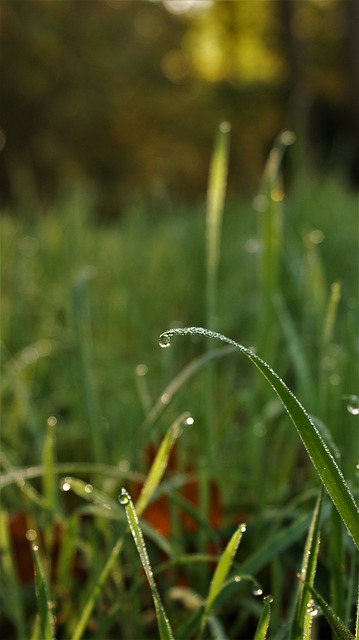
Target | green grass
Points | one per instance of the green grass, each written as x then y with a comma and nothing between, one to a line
91,404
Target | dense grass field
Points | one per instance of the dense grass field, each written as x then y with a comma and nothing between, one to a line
91,403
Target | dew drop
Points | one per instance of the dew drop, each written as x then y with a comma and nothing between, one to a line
225,127
243,527
88,488
188,421
123,497
141,369
268,599
166,398
52,421
65,484
237,578
31,535
258,592
353,409
35,547
312,609
164,341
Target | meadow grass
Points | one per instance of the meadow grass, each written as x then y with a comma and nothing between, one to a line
91,405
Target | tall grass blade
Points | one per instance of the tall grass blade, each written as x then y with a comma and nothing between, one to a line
263,624
302,619
336,624
49,478
221,573
322,459
162,620
270,205
215,204
43,602
83,342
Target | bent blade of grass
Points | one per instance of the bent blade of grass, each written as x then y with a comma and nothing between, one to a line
220,574
322,459
162,620
44,608
302,618
336,624
263,624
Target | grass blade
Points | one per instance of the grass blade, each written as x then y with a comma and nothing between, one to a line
215,203
322,459
336,624
160,462
263,624
44,608
162,620
302,619
221,573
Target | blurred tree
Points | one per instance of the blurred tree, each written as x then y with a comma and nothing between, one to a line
127,95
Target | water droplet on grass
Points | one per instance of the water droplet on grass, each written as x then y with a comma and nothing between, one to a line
123,498
188,421
243,527
268,599
88,488
141,369
312,609
65,484
31,535
353,409
258,591
164,341
166,398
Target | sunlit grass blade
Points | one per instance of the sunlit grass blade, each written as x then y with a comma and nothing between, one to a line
14,604
215,204
160,462
263,624
43,601
323,461
221,573
336,624
302,619
162,620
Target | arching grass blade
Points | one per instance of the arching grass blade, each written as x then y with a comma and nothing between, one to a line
322,459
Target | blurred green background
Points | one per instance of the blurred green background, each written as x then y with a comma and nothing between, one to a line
125,95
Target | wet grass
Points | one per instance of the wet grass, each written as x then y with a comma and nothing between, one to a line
93,409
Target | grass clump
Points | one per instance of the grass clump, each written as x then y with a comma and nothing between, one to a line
88,399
